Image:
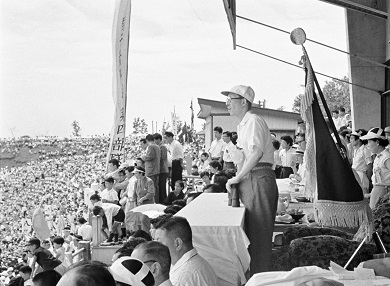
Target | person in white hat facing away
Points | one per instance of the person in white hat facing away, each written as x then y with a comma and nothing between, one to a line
376,143
255,177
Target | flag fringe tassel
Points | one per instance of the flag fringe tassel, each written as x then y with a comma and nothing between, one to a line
342,214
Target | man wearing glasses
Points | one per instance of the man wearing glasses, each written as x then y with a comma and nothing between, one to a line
156,256
255,178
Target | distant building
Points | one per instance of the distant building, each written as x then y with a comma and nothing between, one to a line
216,114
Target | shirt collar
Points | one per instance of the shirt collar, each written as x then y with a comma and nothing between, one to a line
187,256
246,118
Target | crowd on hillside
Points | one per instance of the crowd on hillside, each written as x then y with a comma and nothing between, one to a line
73,183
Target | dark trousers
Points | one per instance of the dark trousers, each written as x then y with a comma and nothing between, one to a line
162,187
177,173
286,172
259,193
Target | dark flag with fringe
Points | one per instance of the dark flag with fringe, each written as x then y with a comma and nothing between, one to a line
338,197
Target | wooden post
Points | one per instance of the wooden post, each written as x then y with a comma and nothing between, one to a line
97,236
87,249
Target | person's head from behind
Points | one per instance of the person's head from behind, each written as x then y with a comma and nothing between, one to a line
129,271
87,273
46,278
25,272
156,256
157,138
122,251
276,144
141,233
58,241
221,178
176,234
97,211
213,188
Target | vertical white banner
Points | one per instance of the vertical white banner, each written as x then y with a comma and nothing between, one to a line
120,38
174,123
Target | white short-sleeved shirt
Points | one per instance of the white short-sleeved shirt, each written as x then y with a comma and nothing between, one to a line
287,157
176,150
192,269
253,131
361,158
226,154
381,175
216,148
85,231
110,195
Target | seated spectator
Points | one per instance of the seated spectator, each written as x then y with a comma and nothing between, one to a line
205,176
128,247
214,167
194,170
173,209
91,273
58,248
24,277
176,194
47,278
144,190
221,178
129,271
188,267
204,162
141,233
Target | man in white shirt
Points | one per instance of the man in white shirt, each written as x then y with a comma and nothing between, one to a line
156,256
255,178
109,195
361,160
336,119
217,146
227,160
188,267
177,155
85,230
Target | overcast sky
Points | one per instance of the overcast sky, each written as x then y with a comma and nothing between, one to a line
56,59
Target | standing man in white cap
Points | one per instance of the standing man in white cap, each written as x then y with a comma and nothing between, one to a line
255,177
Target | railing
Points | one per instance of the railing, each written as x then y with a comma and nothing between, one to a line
84,252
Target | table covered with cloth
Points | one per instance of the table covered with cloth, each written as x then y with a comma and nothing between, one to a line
218,235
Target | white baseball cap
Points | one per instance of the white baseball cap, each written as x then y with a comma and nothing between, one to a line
242,90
